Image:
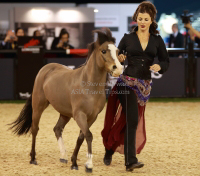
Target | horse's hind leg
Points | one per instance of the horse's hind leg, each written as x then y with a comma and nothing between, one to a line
39,104
62,121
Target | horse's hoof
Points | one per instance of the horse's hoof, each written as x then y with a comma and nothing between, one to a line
74,167
33,162
63,160
88,170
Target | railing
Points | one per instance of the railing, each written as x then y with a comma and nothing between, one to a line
181,80
82,51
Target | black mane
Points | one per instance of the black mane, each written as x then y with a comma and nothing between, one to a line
104,35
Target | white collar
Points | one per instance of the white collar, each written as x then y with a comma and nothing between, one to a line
175,34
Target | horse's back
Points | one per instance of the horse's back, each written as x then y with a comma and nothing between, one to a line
54,66
48,69
46,73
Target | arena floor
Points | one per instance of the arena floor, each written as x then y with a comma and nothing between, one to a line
172,148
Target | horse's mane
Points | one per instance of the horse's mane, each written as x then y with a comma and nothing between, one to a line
104,35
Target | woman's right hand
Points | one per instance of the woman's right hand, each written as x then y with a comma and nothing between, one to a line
60,44
121,58
7,39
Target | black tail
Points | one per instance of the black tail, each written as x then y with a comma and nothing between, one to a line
23,123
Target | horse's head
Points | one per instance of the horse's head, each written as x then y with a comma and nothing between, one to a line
107,52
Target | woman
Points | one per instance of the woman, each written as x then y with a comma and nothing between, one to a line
10,42
19,32
36,33
124,128
62,42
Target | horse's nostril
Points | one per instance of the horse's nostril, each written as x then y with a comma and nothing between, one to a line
114,66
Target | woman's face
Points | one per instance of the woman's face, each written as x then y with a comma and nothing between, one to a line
37,34
143,21
65,38
20,32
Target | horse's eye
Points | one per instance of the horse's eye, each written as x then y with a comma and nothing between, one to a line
104,51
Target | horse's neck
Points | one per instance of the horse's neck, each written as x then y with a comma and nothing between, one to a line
92,72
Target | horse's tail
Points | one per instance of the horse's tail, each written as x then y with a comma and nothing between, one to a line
23,123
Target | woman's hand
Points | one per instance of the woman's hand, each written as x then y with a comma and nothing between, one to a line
155,68
121,58
7,39
65,47
60,44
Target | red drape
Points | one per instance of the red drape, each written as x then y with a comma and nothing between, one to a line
115,125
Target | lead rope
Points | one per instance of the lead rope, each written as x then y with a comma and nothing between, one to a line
125,53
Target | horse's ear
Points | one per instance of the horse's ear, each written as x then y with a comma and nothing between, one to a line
104,35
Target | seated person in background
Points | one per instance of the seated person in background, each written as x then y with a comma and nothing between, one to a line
19,32
36,33
176,39
62,42
57,39
10,41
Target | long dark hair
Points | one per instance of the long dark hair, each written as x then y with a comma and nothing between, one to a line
17,29
63,32
147,7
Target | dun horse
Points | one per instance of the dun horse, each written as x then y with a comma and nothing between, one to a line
78,93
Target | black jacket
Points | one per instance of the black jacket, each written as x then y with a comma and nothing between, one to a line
178,41
8,45
139,61
55,43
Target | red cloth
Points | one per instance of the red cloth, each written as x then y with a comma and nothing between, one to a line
115,125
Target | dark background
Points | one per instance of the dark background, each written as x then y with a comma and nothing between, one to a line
163,6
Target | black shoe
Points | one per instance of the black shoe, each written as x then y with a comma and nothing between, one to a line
107,160
108,157
131,167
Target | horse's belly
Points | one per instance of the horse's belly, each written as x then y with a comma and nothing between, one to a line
62,108
60,101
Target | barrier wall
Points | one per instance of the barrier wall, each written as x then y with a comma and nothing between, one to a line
170,84
198,77
7,78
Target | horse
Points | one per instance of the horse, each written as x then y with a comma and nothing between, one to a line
75,93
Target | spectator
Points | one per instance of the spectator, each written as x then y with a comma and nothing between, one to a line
10,42
56,39
19,32
36,33
176,39
62,42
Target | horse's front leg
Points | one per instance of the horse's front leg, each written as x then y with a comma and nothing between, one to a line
62,121
76,150
81,120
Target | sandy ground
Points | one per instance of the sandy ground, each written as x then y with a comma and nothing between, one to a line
172,148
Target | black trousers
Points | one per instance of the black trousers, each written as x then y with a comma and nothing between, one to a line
129,104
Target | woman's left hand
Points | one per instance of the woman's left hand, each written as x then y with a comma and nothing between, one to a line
155,67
